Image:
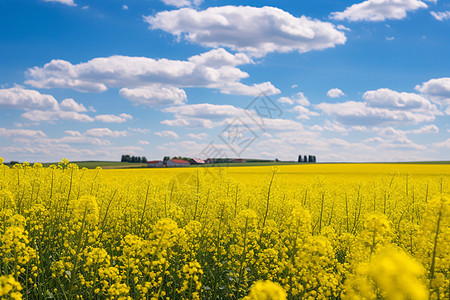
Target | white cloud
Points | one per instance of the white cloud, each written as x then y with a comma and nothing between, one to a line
220,57
20,98
316,128
103,132
155,95
427,129
140,130
386,98
444,144
335,93
202,115
378,10
73,132
441,15
72,105
144,74
143,142
40,115
254,30
21,132
42,107
125,7
198,136
438,89
334,127
390,38
359,113
80,140
298,98
111,118
304,113
167,133
67,140
66,2
382,106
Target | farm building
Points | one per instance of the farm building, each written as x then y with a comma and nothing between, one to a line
209,161
197,161
155,164
238,160
177,163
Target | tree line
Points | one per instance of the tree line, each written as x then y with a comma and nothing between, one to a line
133,159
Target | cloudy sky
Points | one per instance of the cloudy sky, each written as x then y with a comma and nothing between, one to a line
342,80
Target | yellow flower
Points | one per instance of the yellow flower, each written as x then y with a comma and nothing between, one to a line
10,288
266,290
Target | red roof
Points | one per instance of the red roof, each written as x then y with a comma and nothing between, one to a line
179,161
238,160
153,161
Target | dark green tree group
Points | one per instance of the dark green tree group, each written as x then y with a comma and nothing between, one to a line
133,159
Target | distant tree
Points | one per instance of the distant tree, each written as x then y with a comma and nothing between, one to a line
123,158
305,158
314,158
13,162
144,159
165,159
310,159
277,160
299,158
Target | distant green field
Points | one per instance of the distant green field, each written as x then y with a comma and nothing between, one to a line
125,165
104,164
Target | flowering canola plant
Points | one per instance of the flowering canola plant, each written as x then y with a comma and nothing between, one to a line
293,232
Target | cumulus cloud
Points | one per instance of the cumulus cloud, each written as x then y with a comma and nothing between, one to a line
304,113
66,2
386,98
359,113
73,132
438,89
72,105
125,7
155,95
335,93
298,98
426,129
443,144
42,107
105,132
202,115
441,15
141,142
167,133
49,115
140,130
139,76
382,106
254,30
21,132
198,136
111,118
378,10
20,98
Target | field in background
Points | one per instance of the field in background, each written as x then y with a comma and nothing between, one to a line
126,165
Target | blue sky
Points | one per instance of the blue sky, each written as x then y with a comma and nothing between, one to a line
346,80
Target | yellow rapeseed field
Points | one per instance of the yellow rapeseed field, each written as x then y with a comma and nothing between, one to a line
325,231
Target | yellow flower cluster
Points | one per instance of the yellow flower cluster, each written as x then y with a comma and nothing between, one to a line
10,288
294,232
